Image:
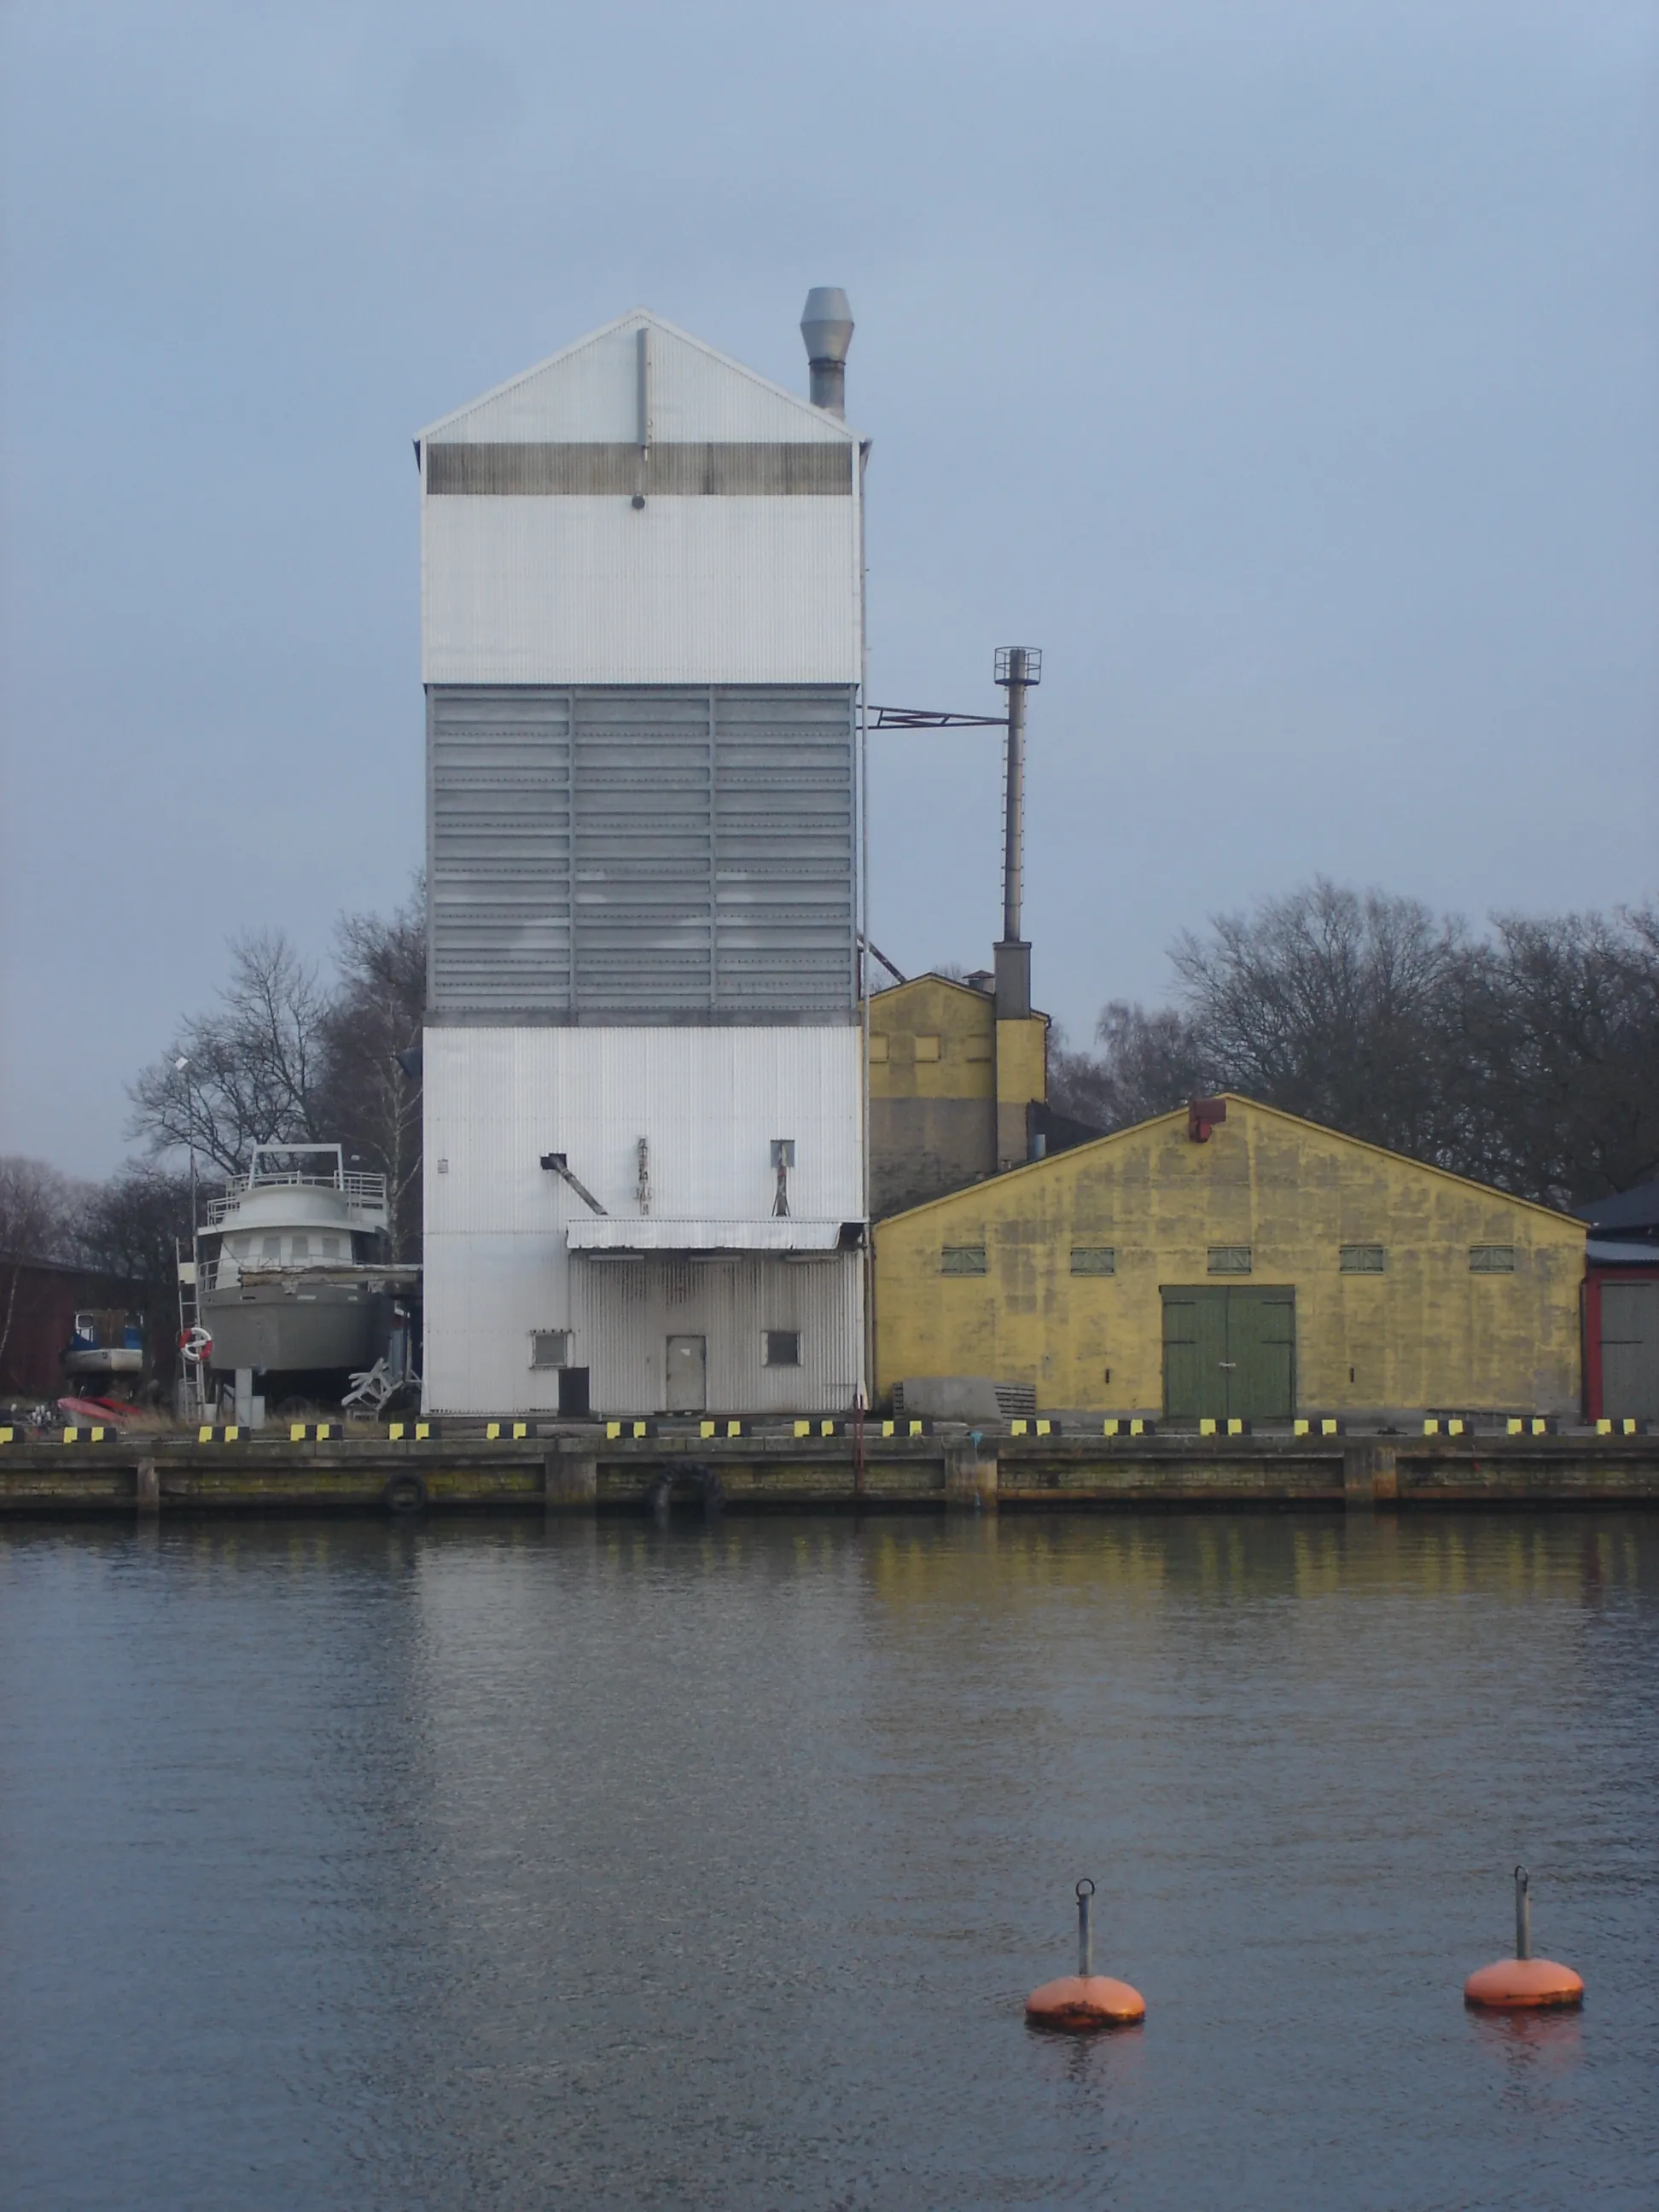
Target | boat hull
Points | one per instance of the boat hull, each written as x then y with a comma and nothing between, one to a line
104,1359
274,1330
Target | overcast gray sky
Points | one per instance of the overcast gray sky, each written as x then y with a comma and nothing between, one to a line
1287,372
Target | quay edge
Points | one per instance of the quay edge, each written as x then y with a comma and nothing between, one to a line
579,1472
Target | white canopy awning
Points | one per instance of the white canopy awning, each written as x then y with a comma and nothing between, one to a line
613,1233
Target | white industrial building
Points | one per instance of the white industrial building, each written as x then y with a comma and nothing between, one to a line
642,649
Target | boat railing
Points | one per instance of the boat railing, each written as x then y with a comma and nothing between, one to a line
358,1190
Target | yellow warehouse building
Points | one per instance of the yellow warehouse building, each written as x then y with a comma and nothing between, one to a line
1255,1266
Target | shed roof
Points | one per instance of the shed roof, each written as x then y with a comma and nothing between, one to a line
1630,1209
1065,1163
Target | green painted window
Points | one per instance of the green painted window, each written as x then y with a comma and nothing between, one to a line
1094,1259
1361,1259
1491,1259
962,1260
1230,1259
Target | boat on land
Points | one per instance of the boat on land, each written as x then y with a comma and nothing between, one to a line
292,1276
106,1348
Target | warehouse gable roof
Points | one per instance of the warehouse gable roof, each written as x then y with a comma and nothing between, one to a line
589,392
1077,1156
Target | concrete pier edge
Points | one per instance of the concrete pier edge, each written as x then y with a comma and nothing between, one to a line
580,1471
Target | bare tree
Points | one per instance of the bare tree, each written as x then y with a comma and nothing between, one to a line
372,1036
1148,1064
1563,1100
1529,1060
249,1073
132,1225
38,1210
1341,1006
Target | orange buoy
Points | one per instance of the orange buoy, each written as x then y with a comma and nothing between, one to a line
1079,2003
1524,1984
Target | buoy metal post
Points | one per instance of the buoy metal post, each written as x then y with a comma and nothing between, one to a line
1524,1984
1086,2000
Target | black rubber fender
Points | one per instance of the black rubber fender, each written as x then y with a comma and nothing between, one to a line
404,1494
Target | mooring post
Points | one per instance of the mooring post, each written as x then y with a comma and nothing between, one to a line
970,1479
1371,1476
1085,1928
570,1479
1523,1914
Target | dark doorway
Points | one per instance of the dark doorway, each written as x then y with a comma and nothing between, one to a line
1230,1352
1630,1350
573,1390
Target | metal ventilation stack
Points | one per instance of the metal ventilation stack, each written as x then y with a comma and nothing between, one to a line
641,643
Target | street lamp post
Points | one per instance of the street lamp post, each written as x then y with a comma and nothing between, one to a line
182,1066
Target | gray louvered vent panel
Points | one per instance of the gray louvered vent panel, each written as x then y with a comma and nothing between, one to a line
784,831
499,850
642,841
643,855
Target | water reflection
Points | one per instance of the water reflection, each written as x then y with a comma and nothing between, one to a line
709,1863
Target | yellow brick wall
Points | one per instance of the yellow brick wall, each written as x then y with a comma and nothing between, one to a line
1427,1332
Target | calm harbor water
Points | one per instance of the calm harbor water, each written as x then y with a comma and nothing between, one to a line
357,1865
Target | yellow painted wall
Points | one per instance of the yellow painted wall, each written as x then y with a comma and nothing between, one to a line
1426,1332
949,1087
1022,1079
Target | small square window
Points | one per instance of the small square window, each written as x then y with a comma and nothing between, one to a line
1360,1259
927,1048
331,1247
302,1247
962,1260
1094,1259
271,1248
1491,1259
878,1051
782,1347
1230,1259
550,1347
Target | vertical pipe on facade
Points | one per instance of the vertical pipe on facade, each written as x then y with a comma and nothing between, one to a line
867,1360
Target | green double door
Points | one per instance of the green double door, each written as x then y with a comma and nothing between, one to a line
1230,1352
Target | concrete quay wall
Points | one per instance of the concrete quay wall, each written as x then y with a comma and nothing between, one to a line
578,1471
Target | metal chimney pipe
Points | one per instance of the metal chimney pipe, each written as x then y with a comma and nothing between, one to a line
826,324
1017,668
1014,824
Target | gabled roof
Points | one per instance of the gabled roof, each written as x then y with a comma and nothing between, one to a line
588,391
1075,1154
945,984
929,975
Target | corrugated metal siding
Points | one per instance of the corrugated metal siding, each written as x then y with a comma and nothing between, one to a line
623,1314
622,855
708,1102
583,589
620,1315
589,391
